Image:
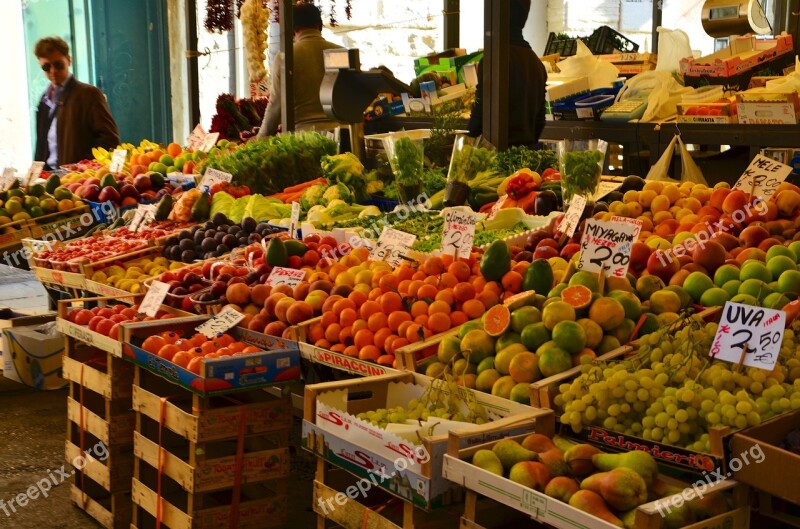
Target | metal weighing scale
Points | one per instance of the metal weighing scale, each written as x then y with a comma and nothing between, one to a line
346,91
723,18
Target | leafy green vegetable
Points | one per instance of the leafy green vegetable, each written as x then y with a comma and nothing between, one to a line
515,158
347,169
581,172
272,164
221,202
467,162
407,161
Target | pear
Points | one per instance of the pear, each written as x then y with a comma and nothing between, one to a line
579,459
593,503
629,519
488,461
530,474
642,462
538,443
511,452
661,489
709,505
561,488
622,488
679,517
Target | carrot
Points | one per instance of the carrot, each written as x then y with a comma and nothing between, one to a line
304,185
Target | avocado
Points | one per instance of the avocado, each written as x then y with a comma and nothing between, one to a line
538,277
202,208
496,261
295,247
36,190
52,183
157,180
164,208
107,181
277,254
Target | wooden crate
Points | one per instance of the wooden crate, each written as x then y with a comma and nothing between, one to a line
200,460
544,509
109,290
112,511
97,370
785,513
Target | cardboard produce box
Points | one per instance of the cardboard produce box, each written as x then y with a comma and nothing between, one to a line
764,108
32,352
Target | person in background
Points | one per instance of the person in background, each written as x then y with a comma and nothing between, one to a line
309,70
526,86
72,116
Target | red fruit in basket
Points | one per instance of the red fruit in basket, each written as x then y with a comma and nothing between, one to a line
218,289
129,313
194,288
175,283
113,332
95,310
94,322
192,279
187,305
236,281
206,269
180,291
119,308
166,277
104,327
118,318
81,316
164,316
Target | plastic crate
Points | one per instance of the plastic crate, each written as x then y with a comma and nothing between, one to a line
602,41
563,47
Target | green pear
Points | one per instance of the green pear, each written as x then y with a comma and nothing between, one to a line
661,489
629,519
488,461
511,452
622,488
642,462
530,474
679,517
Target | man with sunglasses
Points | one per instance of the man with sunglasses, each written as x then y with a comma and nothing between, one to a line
72,116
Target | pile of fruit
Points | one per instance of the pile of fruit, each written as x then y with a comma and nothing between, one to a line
608,486
71,255
130,275
106,320
190,352
19,204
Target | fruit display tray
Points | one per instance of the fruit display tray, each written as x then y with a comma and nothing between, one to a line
102,289
221,375
332,431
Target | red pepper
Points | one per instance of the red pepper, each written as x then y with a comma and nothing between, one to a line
520,184
550,174
527,202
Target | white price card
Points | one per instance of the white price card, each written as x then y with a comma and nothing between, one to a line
195,139
607,246
392,246
153,299
766,173
34,172
285,276
118,160
758,329
604,189
208,142
497,207
295,220
7,179
220,323
145,214
213,176
459,232
573,216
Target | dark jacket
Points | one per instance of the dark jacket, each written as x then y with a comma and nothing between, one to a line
84,121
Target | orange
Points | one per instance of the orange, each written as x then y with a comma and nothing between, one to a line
198,339
388,282
414,333
388,344
457,318
252,349
378,321
182,359
391,302
418,308
381,335
351,350
236,347
225,340
401,330
338,348
460,269
332,332
346,335
493,286
521,267
386,360
448,280
328,318
413,288
374,294
398,344
439,306
357,297
427,292
433,266
324,344
369,352
208,347
419,275
183,344
497,320
396,318
168,351
359,324
404,272
364,338
173,149
170,337
578,296
439,322
348,317
431,280
478,282
342,304
153,344
446,296
512,281
447,260
488,298
156,154
402,288
421,320
368,309
473,308
463,292
223,352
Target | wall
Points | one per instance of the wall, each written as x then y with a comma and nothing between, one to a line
15,125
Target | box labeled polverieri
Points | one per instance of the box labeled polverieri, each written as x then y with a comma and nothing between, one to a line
776,470
395,458
32,354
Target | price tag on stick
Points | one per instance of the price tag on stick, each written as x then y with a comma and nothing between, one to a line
572,218
34,172
212,176
459,232
605,188
295,220
762,177
144,215
195,139
208,142
392,246
7,179
118,160
220,323
285,276
758,330
153,299
607,246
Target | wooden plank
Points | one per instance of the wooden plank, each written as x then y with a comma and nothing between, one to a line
91,378
117,431
113,474
58,277
217,473
119,517
349,515
171,516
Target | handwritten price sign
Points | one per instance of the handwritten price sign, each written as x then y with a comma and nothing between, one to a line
153,299
208,142
7,179
392,246
118,160
766,174
295,220
606,246
34,172
213,176
220,323
145,214
195,139
605,188
285,276
573,216
758,329
459,232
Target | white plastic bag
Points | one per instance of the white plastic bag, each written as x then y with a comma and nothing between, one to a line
660,170
601,74
690,172
673,45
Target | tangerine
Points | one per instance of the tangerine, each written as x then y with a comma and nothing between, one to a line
446,296
347,317
328,318
512,281
414,333
342,304
182,358
168,351
391,302
351,350
422,320
357,297
433,266
378,321
396,318
359,324
332,332
381,335
369,352
401,330
439,306
363,338
170,336
153,344
457,318
418,308
473,308
427,291
368,308
388,282
578,296
463,292
413,288
338,348
439,322
497,320
323,343
460,269
385,360
448,280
